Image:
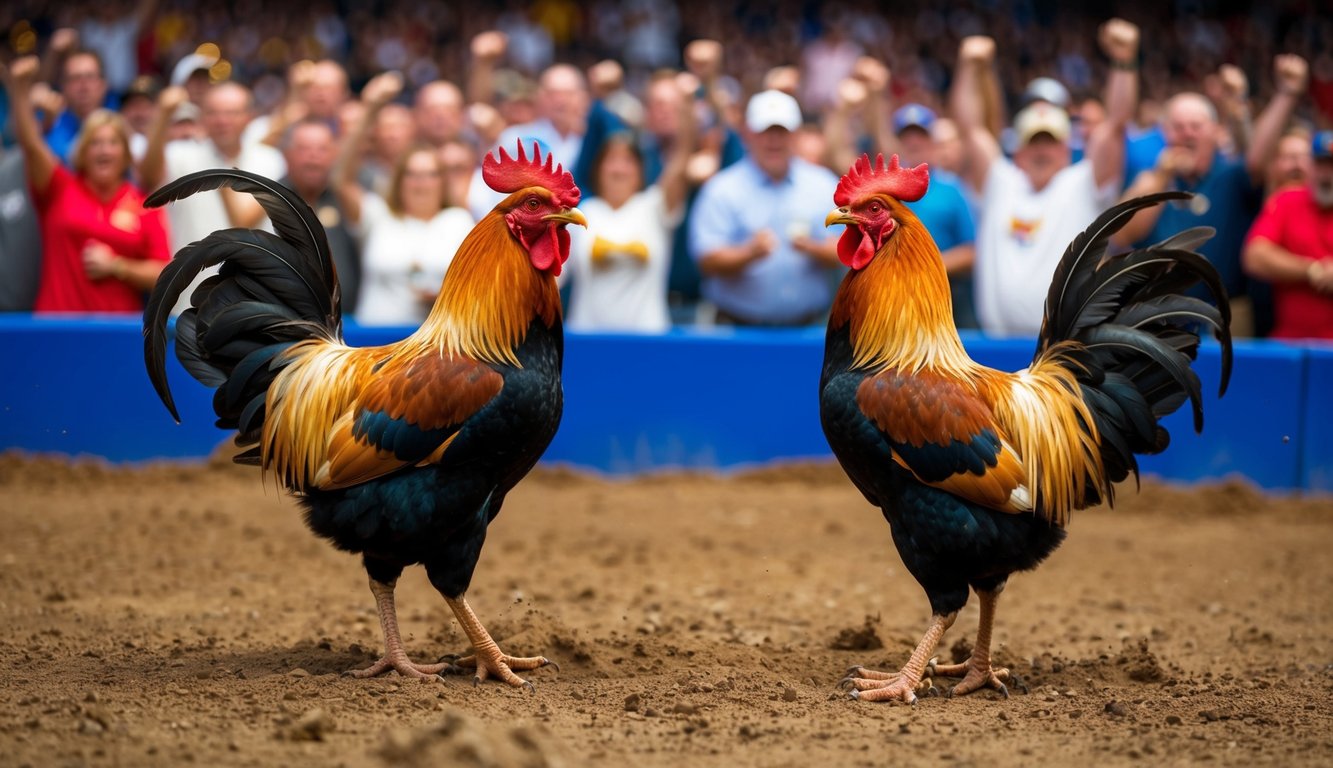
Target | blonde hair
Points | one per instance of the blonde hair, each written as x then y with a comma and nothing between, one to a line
91,124
394,196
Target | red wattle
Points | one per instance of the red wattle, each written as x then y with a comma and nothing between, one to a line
855,248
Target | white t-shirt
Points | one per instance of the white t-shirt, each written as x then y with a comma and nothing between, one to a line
200,215
401,255
1021,237
624,294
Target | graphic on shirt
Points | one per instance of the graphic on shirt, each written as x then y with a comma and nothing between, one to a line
125,220
1023,231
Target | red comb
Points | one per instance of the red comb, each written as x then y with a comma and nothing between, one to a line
905,184
508,174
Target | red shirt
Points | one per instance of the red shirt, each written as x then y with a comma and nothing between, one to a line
71,216
1292,220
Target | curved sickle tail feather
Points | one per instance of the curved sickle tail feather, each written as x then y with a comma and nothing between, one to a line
271,292
1124,327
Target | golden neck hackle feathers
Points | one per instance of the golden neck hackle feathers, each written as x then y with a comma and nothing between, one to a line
899,306
490,295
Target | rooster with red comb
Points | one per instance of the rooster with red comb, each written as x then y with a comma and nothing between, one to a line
404,453
977,470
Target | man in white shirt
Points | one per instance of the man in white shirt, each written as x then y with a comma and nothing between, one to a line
1033,206
226,109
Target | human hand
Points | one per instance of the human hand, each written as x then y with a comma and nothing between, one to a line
1320,275
977,49
46,98
486,121
762,244
1174,161
299,76
64,40
1292,73
172,97
785,79
851,94
704,59
21,73
490,46
1119,40
99,261
872,73
605,77
382,89
1235,85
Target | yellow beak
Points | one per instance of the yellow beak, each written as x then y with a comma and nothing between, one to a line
568,216
839,216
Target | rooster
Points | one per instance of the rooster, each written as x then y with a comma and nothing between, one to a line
977,470
401,453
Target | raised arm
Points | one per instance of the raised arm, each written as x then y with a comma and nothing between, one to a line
879,107
840,145
19,78
675,186
488,48
972,78
379,91
153,166
1292,74
1106,146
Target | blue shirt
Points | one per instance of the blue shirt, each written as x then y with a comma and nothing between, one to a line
1141,152
786,285
1227,200
947,215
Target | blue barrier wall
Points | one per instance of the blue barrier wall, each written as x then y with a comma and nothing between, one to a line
689,399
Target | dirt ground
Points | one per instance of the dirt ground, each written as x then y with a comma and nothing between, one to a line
175,615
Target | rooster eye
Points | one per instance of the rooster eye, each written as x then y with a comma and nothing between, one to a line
875,208
532,204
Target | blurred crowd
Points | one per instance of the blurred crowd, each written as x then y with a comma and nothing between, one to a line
707,137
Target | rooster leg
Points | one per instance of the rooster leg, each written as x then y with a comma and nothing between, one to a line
977,672
870,685
394,657
487,658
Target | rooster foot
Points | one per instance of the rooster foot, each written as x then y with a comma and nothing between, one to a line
499,665
873,685
398,662
976,675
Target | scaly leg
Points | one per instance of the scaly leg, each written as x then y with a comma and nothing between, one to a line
487,658
870,685
394,657
977,672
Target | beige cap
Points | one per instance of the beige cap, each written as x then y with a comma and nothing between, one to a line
1041,117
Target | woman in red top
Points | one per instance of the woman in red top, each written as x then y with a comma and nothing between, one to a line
100,249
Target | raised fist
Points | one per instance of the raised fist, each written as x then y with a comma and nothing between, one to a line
382,89
1291,72
872,73
172,97
977,49
1119,40
704,59
490,46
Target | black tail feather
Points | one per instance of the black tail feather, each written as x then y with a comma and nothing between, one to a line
1123,324
271,291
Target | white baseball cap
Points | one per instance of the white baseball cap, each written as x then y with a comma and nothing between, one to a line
769,109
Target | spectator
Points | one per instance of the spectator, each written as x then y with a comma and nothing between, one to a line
1034,205
944,209
85,91
20,236
1290,247
1292,162
101,249
439,113
562,114
409,237
758,232
1227,189
619,265
226,110
112,30
392,133
309,150
316,90
138,106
